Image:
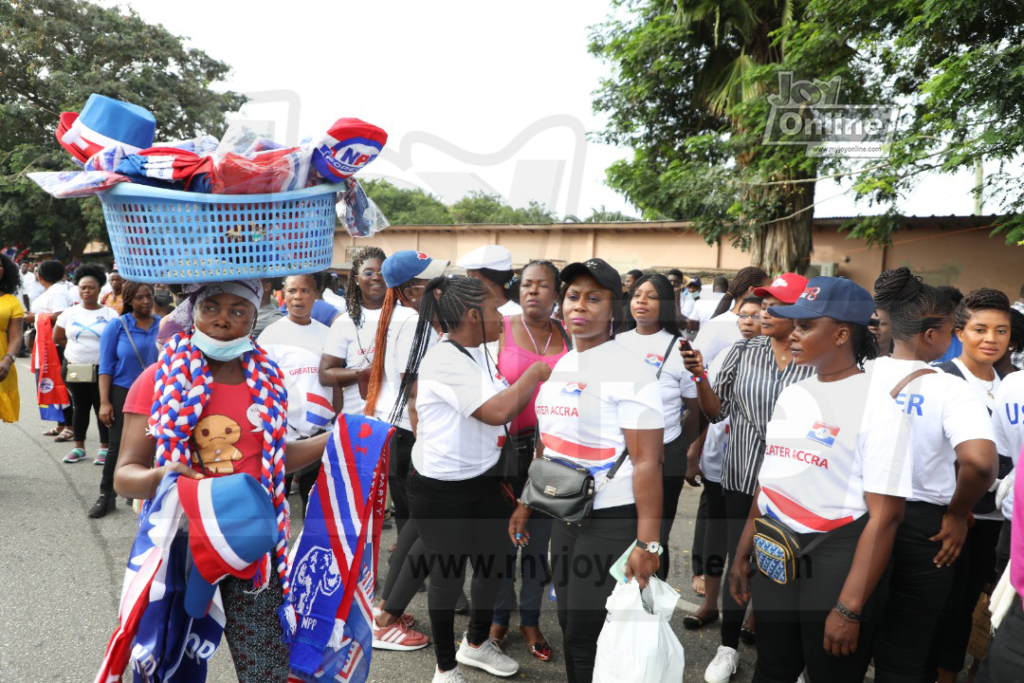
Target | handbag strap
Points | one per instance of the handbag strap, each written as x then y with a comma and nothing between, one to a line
664,360
132,342
910,378
566,339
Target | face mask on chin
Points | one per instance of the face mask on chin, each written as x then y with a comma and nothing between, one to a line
221,350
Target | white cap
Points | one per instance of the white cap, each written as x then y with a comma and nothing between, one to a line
491,256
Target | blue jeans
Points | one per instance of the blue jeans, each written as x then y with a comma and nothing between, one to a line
535,573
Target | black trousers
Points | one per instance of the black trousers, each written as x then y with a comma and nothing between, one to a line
117,399
737,509
407,570
85,399
973,569
917,592
791,617
460,521
581,556
673,480
1004,662
709,536
399,469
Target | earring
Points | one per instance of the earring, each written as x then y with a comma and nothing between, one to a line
611,328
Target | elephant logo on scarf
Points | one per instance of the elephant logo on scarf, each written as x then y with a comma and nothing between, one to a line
316,574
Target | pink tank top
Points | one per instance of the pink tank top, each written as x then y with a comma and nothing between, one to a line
513,362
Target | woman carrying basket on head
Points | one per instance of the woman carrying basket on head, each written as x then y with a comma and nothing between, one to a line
224,378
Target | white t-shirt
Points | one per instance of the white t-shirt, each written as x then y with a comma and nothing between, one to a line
354,345
451,445
943,413
510,308
401,335
705,306
686,304
1008,424
53,300
84,329
335,300
827,444
297,350
717,335
587,402
676,381
986,391
716,443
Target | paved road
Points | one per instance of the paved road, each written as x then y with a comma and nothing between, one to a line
62,574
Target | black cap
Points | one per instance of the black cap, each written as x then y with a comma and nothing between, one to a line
607,276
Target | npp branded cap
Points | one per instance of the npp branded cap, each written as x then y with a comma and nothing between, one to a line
787,288
607,276
830,297
489,256
403,266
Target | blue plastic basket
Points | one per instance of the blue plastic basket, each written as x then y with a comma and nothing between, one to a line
179,237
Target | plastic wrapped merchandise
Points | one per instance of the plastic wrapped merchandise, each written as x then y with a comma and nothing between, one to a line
360,216
65,184
637,644
348,147
280,170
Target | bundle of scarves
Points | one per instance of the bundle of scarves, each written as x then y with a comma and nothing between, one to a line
52,392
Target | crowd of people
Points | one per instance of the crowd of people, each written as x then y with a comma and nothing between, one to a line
871,436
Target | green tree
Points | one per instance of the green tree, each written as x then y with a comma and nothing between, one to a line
407,206
689,94
480,207
602,215
53,55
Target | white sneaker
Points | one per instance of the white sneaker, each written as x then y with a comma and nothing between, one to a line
723,666
453,676
488,657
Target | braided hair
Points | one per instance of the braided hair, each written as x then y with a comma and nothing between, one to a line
666,304
983,299
748,277
181,393
555,273
913,306
865,347
448,298
1016,330
353,295
128,292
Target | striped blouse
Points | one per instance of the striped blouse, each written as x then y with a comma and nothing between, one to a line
748,386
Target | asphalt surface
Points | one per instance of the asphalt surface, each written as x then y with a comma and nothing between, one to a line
62,572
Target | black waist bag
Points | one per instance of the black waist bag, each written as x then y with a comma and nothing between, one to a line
562,488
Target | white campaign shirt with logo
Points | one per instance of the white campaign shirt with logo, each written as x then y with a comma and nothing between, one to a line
829,443
451,445
1008,424
676,381
587,402
355,346
297,350
943,413
717,335
84,329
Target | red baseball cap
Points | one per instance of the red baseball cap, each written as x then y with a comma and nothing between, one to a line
786,288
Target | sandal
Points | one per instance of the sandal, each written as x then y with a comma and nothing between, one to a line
692,622
540,649
66,435
747,636
53,431
699,593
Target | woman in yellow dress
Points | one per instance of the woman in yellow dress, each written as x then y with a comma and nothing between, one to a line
12,318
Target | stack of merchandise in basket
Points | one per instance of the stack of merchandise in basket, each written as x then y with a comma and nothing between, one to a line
113,142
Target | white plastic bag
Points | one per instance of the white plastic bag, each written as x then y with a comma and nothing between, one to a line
637,644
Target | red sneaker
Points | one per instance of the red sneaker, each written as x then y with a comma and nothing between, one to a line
398,636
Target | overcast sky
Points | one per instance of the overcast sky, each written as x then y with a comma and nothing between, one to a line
492,97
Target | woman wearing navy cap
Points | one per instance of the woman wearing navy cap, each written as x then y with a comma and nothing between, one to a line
833,483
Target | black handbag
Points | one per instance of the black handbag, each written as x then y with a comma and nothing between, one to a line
562,488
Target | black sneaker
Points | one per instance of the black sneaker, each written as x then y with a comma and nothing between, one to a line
104,504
